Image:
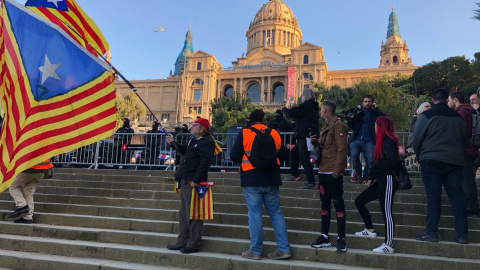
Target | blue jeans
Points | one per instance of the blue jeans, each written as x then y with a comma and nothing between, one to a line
256,196
357,146
434,174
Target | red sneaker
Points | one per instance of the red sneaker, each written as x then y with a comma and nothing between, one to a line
356,177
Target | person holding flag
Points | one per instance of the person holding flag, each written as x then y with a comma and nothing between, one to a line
197,157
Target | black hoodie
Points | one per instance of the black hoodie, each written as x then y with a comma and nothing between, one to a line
306,116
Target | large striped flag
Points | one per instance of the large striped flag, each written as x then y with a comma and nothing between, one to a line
55,94
68,11
201,205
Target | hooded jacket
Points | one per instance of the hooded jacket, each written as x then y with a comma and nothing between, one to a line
466,112
306,116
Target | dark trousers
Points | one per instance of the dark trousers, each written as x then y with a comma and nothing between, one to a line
383,189
300,153
331,188
190,229
434,175
469,186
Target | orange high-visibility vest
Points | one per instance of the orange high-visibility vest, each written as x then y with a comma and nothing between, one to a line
249,136
43,165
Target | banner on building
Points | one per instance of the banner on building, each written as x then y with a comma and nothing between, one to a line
291,83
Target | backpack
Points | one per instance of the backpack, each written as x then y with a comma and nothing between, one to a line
404,182
475,140
263,155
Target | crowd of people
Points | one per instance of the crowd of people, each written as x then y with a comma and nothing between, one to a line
440,139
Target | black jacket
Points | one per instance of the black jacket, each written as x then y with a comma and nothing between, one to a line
257,177
306,116
390,163
356,123
197,157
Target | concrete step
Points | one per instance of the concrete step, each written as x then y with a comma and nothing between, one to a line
228,213
149,257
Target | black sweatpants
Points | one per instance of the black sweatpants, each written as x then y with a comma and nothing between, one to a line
332,189
383,189
300,153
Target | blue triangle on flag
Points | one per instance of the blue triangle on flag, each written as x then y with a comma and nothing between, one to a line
201,191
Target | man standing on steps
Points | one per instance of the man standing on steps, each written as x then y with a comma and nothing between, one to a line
439,140
456,101
261,183
23,189
363,137
334,146
197,157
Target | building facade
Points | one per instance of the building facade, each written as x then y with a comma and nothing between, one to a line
276,67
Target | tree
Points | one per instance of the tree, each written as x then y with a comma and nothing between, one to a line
392,101
452,73
476,12
228,111
129,106
335,93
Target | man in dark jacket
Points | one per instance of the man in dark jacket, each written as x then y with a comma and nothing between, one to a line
197,157
306,117
280,123
261,186
363,136
456,101
439,141
122,136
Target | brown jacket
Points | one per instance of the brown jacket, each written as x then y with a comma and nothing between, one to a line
334,142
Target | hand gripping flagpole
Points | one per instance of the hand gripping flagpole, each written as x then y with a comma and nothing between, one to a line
132,87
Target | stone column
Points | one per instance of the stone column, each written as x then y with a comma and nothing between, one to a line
269,89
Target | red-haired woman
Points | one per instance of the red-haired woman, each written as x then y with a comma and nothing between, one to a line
383,184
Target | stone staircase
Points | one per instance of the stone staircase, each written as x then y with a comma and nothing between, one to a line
120,219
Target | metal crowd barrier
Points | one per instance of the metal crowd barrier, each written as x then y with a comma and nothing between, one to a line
151,151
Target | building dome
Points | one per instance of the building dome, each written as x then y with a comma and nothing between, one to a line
274,9
275,27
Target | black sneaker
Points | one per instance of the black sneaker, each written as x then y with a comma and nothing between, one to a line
18,212
177,246
292,178
24,221
427,237
321,242
462,240
341,244
188,250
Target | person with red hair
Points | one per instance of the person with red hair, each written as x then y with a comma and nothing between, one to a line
382,184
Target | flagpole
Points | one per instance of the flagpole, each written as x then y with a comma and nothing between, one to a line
132,87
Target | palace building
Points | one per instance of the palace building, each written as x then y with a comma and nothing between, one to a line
276,67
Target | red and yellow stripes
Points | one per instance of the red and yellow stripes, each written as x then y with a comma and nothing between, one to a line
35,131
201,208
80,22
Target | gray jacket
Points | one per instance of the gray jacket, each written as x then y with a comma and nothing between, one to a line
440,135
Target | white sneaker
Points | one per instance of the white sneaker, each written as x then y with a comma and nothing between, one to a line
366,233
384,249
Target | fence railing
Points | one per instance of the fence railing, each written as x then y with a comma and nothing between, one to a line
151,151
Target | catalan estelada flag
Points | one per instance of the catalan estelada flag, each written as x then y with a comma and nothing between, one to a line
201,205
68,11
55,94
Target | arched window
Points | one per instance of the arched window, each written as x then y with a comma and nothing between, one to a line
199,66
197,81
228,92
305,59
308,76
395,59
279,93
253,92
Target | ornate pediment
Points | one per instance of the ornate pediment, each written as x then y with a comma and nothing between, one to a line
265,56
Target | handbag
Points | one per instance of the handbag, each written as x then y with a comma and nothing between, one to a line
404,182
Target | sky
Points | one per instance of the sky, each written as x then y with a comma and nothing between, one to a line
350,31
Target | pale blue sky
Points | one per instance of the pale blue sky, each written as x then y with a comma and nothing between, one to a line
350,31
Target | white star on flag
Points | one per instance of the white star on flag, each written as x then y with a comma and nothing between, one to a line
55,2
48,70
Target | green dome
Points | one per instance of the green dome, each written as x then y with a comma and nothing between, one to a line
393,28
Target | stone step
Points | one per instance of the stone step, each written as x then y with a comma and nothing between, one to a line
166,191
289,189
149,257
224,209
